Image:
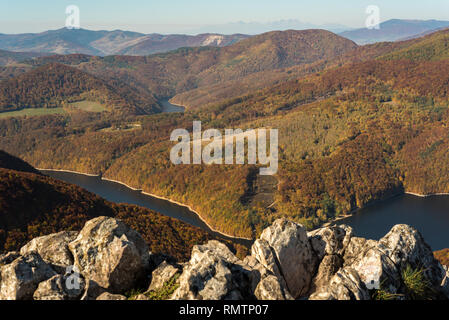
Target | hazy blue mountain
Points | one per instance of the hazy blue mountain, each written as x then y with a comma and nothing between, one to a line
100,43
393,30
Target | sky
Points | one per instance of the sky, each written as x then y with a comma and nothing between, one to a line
187,16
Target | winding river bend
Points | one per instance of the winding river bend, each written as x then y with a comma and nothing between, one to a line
429,215
119,193
168,107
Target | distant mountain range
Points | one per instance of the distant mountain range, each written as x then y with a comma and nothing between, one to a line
101,43
117,42
395,29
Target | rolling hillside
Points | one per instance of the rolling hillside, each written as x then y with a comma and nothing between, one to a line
8,57
185,69
157,43
55,85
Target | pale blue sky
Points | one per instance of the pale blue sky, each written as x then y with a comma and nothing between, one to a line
166,16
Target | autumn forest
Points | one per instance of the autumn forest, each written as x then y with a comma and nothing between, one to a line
357,124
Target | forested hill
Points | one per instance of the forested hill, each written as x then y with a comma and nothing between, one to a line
33,205
8,161
165,75
55,85
8,57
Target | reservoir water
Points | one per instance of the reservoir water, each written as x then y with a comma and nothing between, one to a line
119,193
429,215
168,107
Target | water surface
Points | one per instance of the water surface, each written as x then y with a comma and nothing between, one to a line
168,107
119,193
428,215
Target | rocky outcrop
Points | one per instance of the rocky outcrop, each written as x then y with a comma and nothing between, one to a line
344,285
271,288
110,253
405,246
293,254
329,244
265,284
60,287
379,265
53,249
20,278
214,273
92,291
330,240
286,262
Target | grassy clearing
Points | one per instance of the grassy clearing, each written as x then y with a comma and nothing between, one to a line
32,112
88,106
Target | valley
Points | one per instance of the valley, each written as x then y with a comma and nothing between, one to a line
225,151
358,124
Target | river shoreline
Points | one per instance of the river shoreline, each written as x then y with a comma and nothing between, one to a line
355,211
178,204
198,215
154,196
169,107
427,195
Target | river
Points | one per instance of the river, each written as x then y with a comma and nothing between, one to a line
168,107
429,215
119,193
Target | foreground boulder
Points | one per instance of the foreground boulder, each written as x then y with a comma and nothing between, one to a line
53,249
109,296
329,244
330,240
162,274
111,254
377,270
370,266
214,273
405,247
60,287
20,278
266,285
92,291
344,285
271,288
293,253
9,257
